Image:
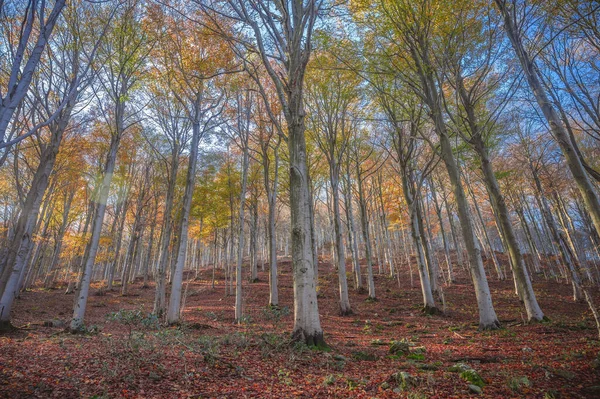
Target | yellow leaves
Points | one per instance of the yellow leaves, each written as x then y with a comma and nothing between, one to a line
189,52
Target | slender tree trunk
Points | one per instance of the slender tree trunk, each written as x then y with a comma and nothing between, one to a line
173,313
558,130
352,237
254,241
559,239
88,264
273,291
119,239
59,239
22,241
160,297
484,232
345,308
408,189
240,250
364,218
534,312
438,212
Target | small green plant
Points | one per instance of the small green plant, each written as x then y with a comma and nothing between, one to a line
209,347
351,384
274,314
416,356
134,319
459,367
367,329
211,315
329,380
239,340
516,383
284,377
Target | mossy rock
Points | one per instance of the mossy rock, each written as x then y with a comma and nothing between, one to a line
459,367
473,377
405,380
427,367
418,350
360,355
399,347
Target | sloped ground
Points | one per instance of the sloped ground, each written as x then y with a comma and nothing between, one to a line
127,355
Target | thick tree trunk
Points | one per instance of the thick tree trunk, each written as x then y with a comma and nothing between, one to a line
487,314
307,324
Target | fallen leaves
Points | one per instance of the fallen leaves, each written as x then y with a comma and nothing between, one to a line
211,357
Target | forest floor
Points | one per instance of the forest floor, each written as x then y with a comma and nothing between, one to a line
127,354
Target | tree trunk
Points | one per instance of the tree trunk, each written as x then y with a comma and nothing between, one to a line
22,241
345,308
173,313
240,249
358,284
364,218
429,305
88,264
534,312
160,297
556,127
307,324
487,314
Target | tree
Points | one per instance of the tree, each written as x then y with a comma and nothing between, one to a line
24,53
332,98
191,76
286,28
509,10
64,77
418,31
470,73
123,56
